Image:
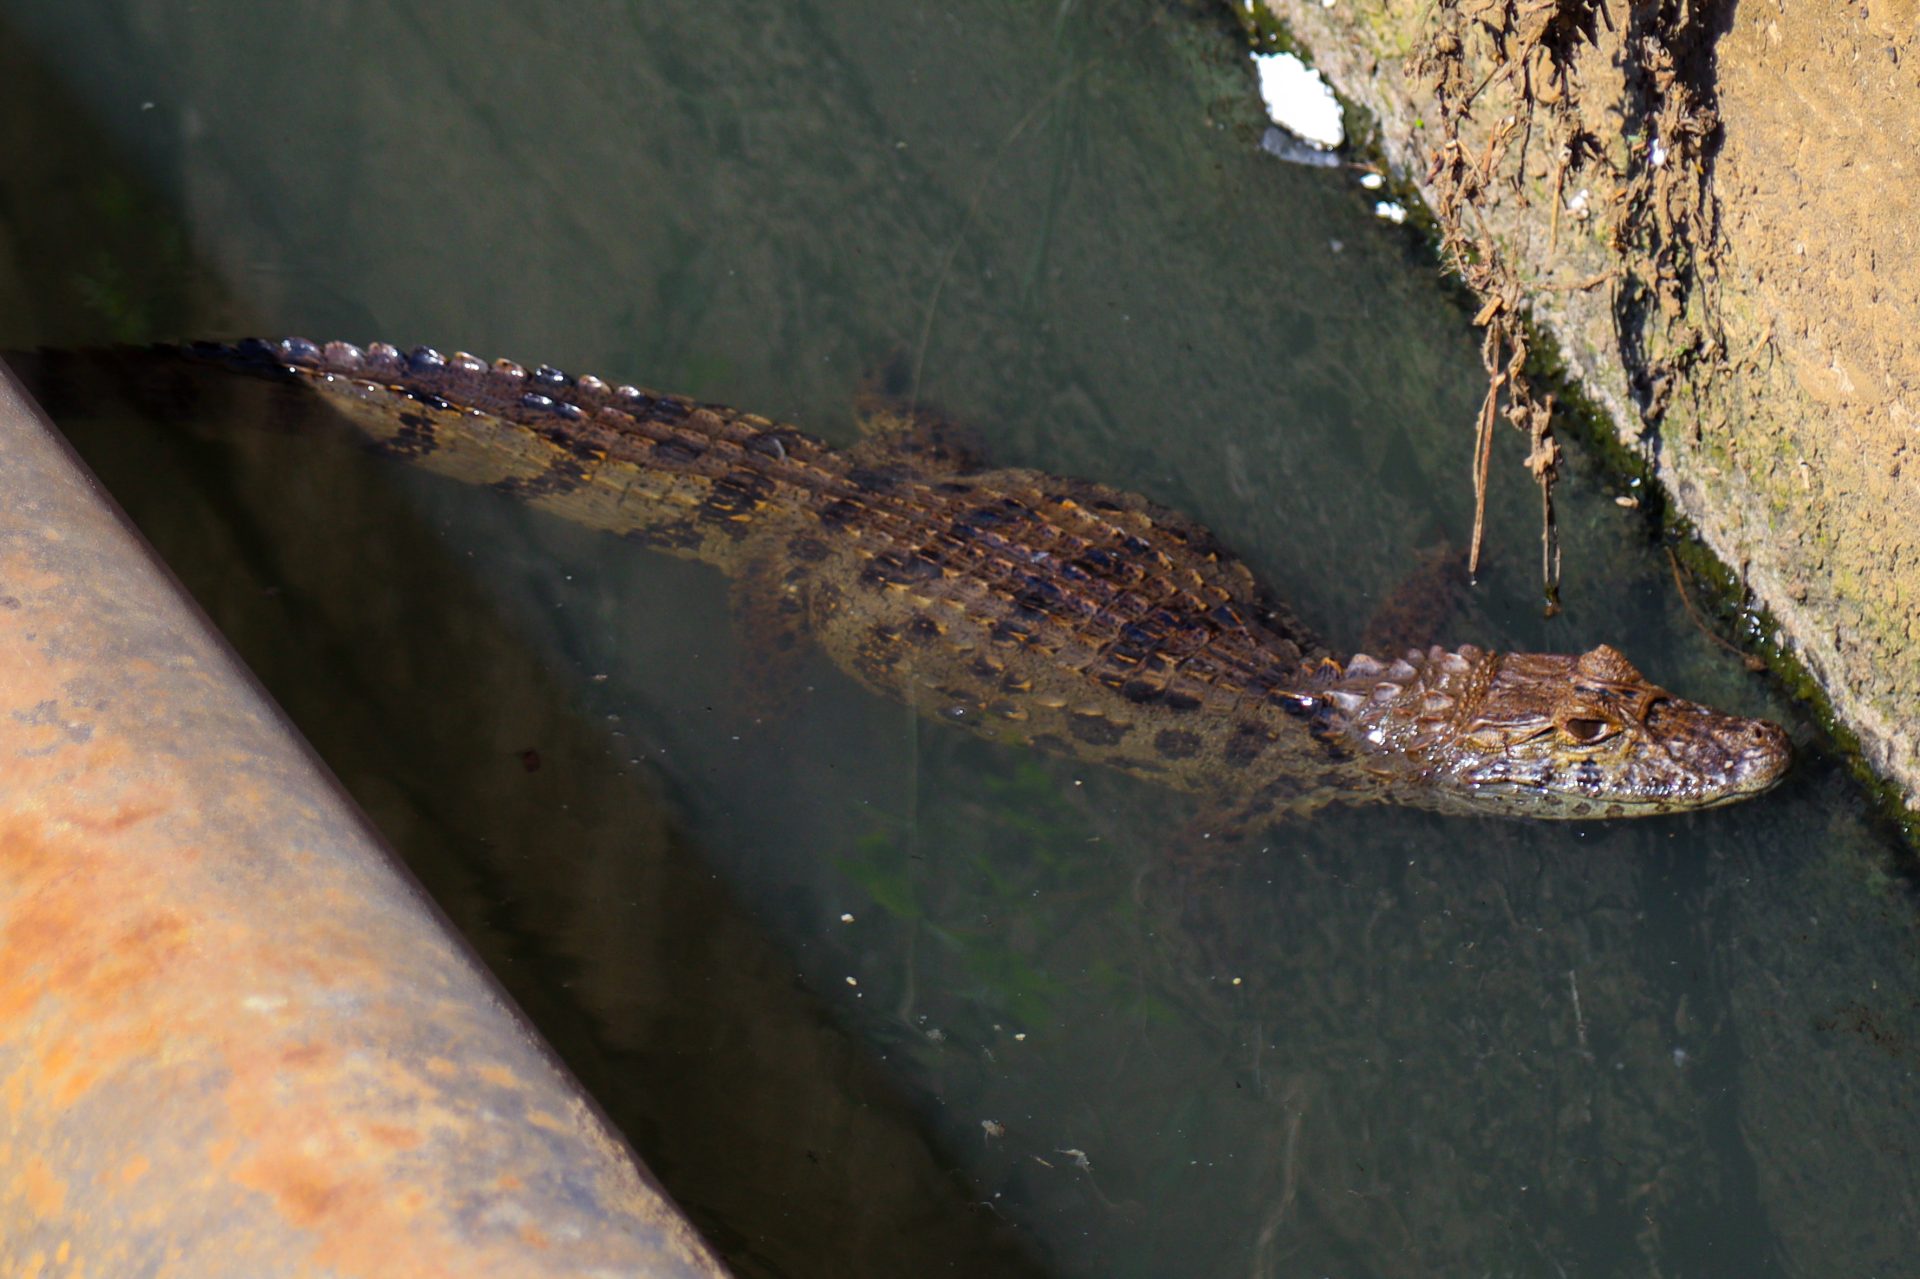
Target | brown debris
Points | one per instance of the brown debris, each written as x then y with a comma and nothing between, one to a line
1661,203
1530,42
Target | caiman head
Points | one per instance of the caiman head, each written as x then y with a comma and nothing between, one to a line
1540,735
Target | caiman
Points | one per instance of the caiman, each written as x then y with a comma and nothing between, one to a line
1032,608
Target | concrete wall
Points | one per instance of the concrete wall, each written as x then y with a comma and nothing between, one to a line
1715,211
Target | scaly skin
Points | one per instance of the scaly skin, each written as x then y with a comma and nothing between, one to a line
1044,610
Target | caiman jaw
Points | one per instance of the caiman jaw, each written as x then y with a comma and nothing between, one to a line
1543,735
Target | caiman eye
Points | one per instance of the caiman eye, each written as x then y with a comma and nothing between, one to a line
1588,731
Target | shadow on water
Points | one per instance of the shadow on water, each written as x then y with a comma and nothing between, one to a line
873,997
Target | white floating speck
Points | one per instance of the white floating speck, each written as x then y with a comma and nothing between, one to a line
1391,211
847,917
1372,181
1298,100
851,981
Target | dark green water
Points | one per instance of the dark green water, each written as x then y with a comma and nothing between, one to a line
872,997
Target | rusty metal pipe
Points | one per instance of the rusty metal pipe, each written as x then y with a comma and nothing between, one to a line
236,1040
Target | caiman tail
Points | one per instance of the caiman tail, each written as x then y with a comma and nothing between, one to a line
1033,608
663,470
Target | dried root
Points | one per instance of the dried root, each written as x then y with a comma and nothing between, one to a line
1661,209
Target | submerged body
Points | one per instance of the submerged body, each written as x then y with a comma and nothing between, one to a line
1033,608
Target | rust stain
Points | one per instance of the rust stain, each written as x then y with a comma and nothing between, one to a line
65,945
394,1136
112,822
341,1163
303,1055
45,1192
307,1192
336,956
361,1226
498,1076
167,948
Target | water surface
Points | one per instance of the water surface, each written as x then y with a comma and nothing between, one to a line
871,996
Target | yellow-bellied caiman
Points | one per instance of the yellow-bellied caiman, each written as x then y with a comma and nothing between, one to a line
1057,612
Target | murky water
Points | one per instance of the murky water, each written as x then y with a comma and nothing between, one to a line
873,997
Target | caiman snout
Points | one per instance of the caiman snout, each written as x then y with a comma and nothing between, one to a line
1716,758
